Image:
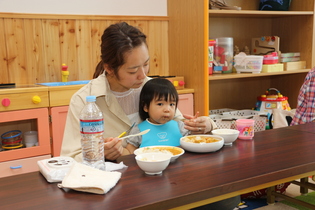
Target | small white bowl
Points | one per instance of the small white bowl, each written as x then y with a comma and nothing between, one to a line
153,163
202,147
176,151
229,135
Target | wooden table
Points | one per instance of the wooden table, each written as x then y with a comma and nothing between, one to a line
273,157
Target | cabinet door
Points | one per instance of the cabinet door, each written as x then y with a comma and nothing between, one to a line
57,126
186,103
26,120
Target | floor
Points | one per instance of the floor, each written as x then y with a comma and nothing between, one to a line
292,191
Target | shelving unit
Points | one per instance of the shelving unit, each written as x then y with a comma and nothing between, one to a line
191,24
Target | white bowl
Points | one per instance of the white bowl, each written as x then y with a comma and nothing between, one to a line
153,163
202,147
229,135
175,151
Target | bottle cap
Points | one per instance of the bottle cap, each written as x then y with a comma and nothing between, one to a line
90,98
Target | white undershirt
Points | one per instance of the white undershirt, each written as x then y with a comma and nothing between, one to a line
129,102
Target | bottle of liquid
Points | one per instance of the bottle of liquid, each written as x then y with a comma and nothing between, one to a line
92,129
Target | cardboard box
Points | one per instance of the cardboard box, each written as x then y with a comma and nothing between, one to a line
295,65
272,67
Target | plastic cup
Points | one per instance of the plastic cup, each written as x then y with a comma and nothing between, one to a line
30,138
246,128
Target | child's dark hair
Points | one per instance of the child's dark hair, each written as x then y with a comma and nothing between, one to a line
159,88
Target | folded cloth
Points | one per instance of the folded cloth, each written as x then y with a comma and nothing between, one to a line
87,179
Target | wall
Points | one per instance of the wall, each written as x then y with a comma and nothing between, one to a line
93,7
33,46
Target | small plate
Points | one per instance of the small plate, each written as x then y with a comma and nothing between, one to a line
176,151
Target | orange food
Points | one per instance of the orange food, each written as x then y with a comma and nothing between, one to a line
173,150
200,139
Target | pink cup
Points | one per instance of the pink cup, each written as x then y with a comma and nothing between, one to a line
246,128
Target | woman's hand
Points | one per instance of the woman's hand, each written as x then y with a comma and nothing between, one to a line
196,124
113,148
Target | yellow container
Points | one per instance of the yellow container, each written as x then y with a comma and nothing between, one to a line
272,67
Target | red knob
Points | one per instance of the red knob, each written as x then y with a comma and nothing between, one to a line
181,83
6,102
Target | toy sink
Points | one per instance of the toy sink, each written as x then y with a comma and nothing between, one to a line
80,82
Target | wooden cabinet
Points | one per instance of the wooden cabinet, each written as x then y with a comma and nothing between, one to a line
192,24
24,108
58,116
12,161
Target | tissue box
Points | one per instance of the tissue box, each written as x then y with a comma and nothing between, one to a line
272,67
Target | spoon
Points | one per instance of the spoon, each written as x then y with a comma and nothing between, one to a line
137,134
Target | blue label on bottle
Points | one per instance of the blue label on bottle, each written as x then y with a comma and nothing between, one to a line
92,126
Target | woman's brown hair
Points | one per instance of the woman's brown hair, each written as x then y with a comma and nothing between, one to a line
118,39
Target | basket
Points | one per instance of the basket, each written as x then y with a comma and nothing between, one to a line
248,63
227,119
220,111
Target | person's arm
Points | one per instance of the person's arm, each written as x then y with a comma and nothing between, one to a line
199,125
71,144
182,128
131,148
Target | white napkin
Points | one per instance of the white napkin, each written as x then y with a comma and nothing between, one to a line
109,166
87,179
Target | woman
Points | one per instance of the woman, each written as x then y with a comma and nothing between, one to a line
118,81
119,78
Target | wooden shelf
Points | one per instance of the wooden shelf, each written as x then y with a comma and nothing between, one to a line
188,49
251,75
256,13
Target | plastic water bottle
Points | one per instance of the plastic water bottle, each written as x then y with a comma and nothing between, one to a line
92,129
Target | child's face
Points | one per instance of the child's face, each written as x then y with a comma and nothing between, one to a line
161,111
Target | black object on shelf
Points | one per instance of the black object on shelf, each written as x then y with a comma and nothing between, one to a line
7,85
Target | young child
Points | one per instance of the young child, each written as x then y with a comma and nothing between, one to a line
157,107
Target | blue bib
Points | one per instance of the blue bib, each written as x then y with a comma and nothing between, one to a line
167,134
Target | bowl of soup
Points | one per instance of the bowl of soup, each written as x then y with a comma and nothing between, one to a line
202,143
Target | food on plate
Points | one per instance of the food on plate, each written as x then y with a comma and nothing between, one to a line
170,150
200,139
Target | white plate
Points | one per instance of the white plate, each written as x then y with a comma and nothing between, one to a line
202,147
160,149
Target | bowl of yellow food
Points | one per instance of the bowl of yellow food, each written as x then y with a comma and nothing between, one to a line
202,143
174,151
153,163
